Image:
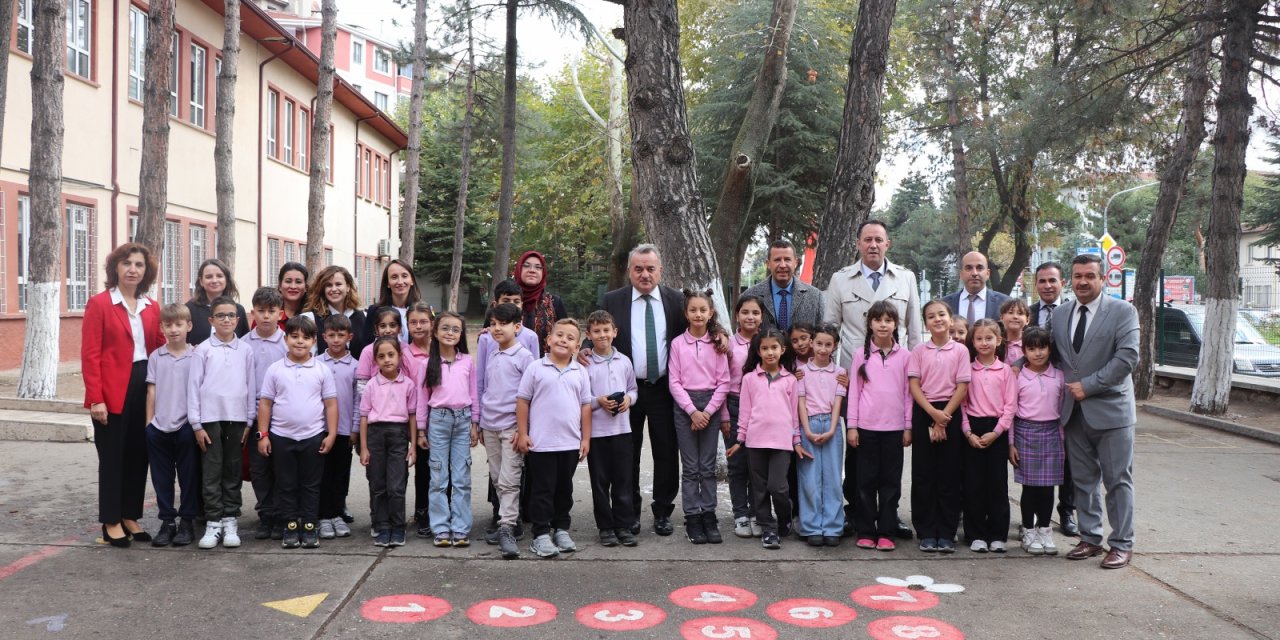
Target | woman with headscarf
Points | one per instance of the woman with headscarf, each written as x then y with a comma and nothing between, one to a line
541,309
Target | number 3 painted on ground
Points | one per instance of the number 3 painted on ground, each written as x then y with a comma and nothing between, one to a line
631,615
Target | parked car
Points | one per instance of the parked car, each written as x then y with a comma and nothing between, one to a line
1180,332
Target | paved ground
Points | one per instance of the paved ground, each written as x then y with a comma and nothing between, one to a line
1208,567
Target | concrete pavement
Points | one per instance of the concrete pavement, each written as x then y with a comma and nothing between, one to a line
1207,566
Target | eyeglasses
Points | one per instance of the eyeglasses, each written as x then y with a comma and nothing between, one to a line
536,266
450,329
224,316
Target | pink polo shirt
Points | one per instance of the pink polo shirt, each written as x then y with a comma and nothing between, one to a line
1012,351
297,392
739,347
769,413
939,369
694,365
819,388
389,400
883,401
417,361
993,393
410,365
457,390
556,397
1040,394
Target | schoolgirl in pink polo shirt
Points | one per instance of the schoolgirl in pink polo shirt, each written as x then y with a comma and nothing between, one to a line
421,319
386,322
1015,315
1037,452
699,378
749,313
938,371
387,428
988,417
822,395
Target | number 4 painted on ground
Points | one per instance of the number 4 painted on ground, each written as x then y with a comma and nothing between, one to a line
711,596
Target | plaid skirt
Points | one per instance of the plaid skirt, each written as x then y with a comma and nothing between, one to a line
1040,453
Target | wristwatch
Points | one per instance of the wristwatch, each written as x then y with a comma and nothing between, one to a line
260,435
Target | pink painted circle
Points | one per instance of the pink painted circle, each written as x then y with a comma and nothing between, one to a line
883,597
811,613
404,608
912,628
621,615
720,598
511,612
726,627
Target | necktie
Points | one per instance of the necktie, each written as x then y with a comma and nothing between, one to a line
1077,340
1048,316
784,310
875,280
650,341
973,302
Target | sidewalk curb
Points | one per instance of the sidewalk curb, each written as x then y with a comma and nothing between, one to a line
1213,423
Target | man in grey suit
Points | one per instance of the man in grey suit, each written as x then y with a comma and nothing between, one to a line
1096,338
788,300
975,301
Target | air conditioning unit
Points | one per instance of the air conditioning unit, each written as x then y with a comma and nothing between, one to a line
384,248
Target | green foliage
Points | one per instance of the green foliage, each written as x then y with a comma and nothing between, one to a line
923,235
1264,210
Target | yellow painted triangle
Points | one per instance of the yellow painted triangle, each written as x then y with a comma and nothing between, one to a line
301,607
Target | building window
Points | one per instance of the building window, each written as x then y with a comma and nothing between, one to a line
381,100
24,26
381,62
376,184
137,52
288,131
199,80
368,173
79,37
328,257
273,257
198,244
24,249
290,252
386,175
304,138
171,263
174,76
357,52
79,255
273,109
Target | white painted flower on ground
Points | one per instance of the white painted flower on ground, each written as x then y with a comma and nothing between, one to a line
921,583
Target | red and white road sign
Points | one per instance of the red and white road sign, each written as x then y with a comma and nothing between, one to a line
1115,277
720,598
1116,256
404,608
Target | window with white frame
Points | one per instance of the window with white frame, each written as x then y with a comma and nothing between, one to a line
24,248
23,41
328,257
171,264
290,252
79,255
381,61
288,131
273,108
79,37
273,257
357,52
174,74
198,245
199,81
381,100
137,52
304,138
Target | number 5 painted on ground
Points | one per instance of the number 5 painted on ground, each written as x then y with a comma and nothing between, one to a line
712,631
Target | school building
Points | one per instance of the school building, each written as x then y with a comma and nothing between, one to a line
275,95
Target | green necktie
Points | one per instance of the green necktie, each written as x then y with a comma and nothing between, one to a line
650,340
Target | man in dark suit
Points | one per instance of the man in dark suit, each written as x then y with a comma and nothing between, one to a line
649,316
975,301
1049,290
789,300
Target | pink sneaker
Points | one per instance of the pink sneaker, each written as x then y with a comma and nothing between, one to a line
885,544
866,543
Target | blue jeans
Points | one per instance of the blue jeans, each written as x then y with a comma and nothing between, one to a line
449,432
821,497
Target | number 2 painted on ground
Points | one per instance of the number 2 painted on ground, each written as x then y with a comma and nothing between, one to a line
498,611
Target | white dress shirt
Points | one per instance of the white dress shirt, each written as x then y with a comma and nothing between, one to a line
135,322
1088,324
639,357
979,305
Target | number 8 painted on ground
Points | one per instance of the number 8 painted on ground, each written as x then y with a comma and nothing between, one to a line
914,633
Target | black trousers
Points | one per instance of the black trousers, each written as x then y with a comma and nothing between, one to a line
263,476
550,488
879,483
986,485
936,476
388,473
122,453
609,462
654,405
173,456
768,469
299,468
1066,491
421,485
850,485
336,481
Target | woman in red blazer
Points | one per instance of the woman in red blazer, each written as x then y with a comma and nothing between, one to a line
121,327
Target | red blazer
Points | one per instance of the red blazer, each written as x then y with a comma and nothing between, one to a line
106,349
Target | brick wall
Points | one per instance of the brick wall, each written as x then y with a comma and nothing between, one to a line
12,331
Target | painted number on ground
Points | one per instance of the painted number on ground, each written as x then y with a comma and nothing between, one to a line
720,598
622,615
512,612
811,613
883,597
404,608
721,627
912,628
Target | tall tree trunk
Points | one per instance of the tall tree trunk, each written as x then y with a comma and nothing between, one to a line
665,184
153,179
6,37
39,377
731,229
1012,187
959,157
623,224
852,190
225,113
320,135
464,177
413,155
507,189
1212,388
1173,179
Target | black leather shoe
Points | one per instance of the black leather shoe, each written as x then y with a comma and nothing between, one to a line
347,516
848,530
122,542
186,533
903,532
1069,526
263,532
711,527
662,526
164,537
635,527
694,529
136,536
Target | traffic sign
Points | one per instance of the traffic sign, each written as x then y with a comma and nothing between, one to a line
1115,277
1116,256
1107,242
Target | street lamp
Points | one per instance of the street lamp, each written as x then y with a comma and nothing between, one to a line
1113,197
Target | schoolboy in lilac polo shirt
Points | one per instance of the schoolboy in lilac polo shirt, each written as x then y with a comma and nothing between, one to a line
171,444
337,463
553,414
609,461
497,387
267,343
297,425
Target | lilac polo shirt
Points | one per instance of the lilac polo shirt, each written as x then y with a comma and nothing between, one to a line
883,402
820,387
169,374
610,374
993,393
694,365
457,390
500,383
939,369
389,400
1040,394
266,351
556,397
486,346
769,413
221,383
297,392
344,379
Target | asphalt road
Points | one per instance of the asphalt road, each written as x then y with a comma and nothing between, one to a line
1208,566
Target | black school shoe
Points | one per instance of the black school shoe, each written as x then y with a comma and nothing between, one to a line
263,531
626,537
164,537
186,533
608,538
711,527
662,526
277,528
292,536
903,532
694,529
347,516
310,536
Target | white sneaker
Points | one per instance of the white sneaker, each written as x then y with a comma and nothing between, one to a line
340,529
326,529
230,533
997,546
742,527
1046,541
543,547
978,546
756,530
212,535
563,542
1031,542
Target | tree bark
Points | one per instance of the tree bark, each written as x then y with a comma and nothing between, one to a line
320,136
852,190
464,177
413,155
665,184
225,114
623,224
1212,388
39,376
507,189
959,157
730,228
153,179
6,38
1173,179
